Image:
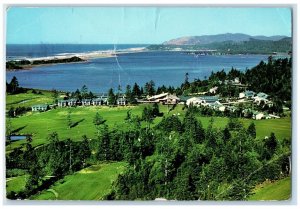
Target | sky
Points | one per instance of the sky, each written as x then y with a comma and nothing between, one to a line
138,25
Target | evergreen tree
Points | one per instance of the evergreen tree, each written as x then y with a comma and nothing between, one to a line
14,85
84,92
54,95
136,92
111,97
252,130
155,110
69,119
150,88
104,145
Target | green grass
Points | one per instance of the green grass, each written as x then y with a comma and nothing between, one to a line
28,99
279,190
281,127
92,183
16,184
40,125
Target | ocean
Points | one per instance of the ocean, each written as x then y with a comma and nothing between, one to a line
164,68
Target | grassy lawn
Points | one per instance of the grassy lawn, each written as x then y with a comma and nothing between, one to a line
16,184
279,190
44,123
28,99
92,183
40,125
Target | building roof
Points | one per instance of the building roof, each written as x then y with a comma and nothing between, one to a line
209,99
184,98
216,104
158,96
86,100
40,106
193,99
262,95
170,96
71,100
97,100
121,99
62,101
249,93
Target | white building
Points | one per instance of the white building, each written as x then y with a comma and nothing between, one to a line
164,98
213,90
39,108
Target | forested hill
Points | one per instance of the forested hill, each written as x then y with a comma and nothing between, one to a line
208,39
250,45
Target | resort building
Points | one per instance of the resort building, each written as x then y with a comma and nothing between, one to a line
261,97
121,101
86,102
212,101
247,94
97,101
40,108
258,115
164,98
72,102
213,90
62,103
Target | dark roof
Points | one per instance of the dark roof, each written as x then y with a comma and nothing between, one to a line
41,106
184,98
121,99
210,99
97,99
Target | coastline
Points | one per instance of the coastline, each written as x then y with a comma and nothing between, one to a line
85,57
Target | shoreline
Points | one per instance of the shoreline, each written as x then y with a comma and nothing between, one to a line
84,56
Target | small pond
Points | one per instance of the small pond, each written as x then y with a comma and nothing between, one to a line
17,137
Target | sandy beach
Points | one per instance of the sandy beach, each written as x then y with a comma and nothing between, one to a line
84,56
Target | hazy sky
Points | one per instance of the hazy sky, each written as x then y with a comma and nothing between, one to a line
103,25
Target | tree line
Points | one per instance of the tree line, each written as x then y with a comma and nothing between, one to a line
176,159
189,162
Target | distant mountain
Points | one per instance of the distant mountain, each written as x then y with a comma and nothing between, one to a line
229,44
208,39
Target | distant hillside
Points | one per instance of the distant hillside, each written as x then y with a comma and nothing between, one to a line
228,44
208,39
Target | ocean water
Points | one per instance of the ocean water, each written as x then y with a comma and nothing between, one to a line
23,51
164,68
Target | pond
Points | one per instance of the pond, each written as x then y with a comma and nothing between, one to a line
17,137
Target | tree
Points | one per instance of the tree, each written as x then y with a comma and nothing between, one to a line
155,110
104,145
77,95
14,85
129,95
111,97
136,92
192,127
91,95
150,88
186,83
8,130
54,95
128,116
226,134
69,120
147,115
84,91
98,119
270,146
252,130
11,112
85,150
53,137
